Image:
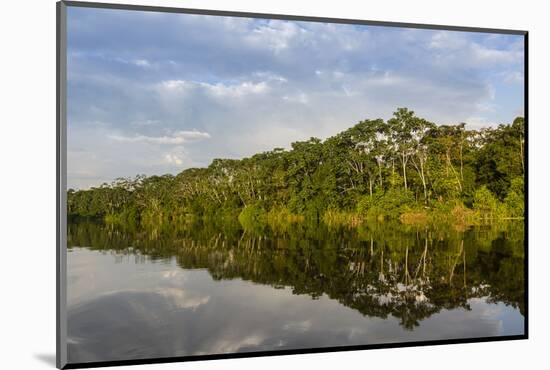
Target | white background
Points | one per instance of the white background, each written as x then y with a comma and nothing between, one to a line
27,186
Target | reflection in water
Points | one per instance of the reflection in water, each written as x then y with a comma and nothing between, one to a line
205,288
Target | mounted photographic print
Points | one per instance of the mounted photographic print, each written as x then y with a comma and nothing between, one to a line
235,184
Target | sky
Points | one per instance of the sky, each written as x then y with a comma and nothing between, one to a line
156,93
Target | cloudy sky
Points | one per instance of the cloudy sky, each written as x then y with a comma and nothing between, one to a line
154,93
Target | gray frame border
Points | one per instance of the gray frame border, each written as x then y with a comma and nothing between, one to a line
61,193
61,176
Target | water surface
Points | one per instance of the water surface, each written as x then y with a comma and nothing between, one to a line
207,288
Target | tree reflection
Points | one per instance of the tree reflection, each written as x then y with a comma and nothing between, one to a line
379,270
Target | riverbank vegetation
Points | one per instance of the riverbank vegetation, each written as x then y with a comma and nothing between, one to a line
405,168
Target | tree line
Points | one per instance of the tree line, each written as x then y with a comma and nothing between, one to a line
406,167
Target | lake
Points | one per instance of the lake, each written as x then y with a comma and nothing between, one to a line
213,287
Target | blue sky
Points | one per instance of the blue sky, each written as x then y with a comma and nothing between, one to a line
154,93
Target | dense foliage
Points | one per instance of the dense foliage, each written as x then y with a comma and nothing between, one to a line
406,167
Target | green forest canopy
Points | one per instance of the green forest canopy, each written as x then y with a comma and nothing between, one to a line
405,167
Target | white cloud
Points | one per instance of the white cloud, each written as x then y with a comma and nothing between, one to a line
269,76
218,89
147,122
142,63
387,79
174,85
467,52
275,35
447,40
496,56
177,157
176,138
235,91
172,158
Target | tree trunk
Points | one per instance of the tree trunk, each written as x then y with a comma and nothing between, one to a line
420,169
461,164
370,187
404,164
521,149
423,178
380,172
450,165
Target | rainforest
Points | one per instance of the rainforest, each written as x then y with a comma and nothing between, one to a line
406,168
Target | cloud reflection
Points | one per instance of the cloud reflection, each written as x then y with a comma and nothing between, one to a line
177,312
